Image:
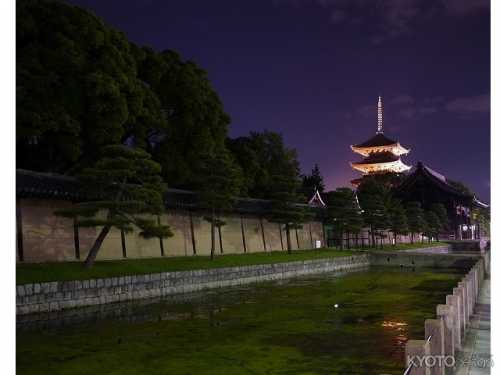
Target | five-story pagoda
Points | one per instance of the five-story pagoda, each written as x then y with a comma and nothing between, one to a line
381,154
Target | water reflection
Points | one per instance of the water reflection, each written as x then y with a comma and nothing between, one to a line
202,305
269,327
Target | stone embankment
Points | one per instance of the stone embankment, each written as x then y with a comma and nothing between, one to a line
62,295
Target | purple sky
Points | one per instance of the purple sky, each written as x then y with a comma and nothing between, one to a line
312,70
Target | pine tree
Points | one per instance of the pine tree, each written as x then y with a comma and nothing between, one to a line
343,213
221,185
313,182
442,214
433,224
124,185
398,219
416,218
284,208
372,197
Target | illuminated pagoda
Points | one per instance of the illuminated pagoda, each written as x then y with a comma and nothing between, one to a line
381,154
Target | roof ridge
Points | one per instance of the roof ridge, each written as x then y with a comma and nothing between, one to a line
45,174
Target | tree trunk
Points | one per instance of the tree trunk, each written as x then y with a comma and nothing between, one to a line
212,229
288,240
395,239
374,245
220,240
89,261
341,240
411,238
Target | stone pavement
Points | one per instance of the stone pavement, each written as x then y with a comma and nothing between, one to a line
474,358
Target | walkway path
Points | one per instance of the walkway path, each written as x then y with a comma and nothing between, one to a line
474,358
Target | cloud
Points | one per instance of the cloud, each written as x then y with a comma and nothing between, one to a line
389,19
367,111
464,7
427,110
434,100
337,16
402,99
471,104
405,106
407,112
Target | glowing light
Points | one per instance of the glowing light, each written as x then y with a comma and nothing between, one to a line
379,116
398,326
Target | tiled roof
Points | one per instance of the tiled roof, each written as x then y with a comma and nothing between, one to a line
377,140
46,185
379,157
30,184
438,180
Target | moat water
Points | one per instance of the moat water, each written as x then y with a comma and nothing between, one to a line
285,327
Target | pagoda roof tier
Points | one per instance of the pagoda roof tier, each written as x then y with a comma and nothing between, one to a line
379,143
379,157
381,164
378,139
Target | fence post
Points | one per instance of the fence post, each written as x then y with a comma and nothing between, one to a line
415,354
465,299
435,330
470,294
454,301
447,314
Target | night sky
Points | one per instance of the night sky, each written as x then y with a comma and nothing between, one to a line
312,70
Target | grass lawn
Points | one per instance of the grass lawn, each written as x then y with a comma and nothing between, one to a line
41,272
409,246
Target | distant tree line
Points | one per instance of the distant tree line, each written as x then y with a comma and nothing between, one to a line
374,206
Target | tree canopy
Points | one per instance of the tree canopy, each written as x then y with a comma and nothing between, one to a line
373,195
416,218
222,183
197,123
398,221
77,88
312,182
343,212
262,157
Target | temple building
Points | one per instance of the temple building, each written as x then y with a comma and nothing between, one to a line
425,185
381,154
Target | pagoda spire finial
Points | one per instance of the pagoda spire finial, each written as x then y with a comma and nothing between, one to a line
379,117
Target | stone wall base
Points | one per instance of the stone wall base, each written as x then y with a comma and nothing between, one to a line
62,295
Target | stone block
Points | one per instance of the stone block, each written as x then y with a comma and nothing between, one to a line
20,291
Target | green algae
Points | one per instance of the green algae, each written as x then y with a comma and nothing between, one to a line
286,327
